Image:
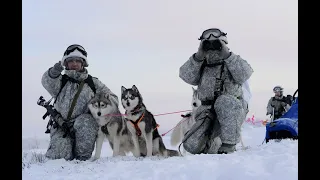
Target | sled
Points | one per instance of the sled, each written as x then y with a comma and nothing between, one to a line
286,127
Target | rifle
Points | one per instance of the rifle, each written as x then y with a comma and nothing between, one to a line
55,120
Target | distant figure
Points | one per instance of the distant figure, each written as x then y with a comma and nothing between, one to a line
278,104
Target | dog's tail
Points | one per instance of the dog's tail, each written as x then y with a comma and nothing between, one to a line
165,151
176,136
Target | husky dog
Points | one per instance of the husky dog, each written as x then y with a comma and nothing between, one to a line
142,125
111,125
186,123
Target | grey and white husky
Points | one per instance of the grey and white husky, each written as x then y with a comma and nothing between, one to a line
186,122
142,125
111,125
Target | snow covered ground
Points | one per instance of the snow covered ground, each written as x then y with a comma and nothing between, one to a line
276,161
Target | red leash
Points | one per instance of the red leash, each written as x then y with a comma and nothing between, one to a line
173,127
171,113
153,115
158,115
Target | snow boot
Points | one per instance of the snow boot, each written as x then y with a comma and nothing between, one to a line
227,148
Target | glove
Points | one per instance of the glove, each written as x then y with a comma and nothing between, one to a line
62,63
200,54
67,128
56,70
225,52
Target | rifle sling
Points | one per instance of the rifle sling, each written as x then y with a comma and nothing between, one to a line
75,100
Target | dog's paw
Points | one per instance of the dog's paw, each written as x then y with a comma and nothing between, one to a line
94,158
114,154
136,153
245,147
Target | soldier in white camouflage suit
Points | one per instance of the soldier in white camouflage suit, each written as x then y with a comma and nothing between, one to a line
278,104
80,122
219,75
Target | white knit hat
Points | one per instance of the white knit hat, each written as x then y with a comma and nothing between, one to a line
75,53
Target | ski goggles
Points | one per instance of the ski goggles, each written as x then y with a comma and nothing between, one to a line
277,89
74,59
212,32
74,47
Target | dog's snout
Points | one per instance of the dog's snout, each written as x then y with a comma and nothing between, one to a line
99,113
194,104
128,103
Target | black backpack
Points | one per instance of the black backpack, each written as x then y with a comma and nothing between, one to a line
66,78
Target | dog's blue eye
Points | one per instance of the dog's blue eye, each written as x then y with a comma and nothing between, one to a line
132,98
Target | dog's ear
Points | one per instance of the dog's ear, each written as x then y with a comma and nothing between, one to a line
123,89
134,88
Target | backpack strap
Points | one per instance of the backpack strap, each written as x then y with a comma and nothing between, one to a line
64,81
283,99
66,78
74,101
219,89
90,83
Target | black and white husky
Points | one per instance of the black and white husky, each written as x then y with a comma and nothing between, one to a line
142,125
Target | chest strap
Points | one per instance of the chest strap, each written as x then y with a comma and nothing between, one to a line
74,101
135,125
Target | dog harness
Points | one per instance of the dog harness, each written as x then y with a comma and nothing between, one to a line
135,125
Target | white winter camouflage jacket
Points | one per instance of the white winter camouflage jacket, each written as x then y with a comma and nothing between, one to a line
236,72
65,98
